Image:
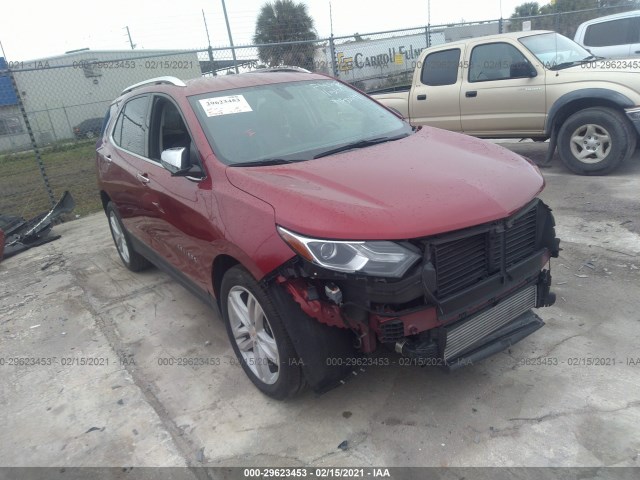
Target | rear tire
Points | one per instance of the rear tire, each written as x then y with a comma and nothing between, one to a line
131,259
258,336
595,141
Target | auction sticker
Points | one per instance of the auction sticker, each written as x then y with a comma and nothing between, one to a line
216,106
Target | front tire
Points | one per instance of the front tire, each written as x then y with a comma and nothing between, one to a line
131,259
595,141
258,336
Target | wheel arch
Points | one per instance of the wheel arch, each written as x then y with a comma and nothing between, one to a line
572,102
221,264
105,199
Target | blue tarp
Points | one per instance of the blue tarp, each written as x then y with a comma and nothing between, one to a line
7,94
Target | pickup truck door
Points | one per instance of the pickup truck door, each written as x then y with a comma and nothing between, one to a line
503,92
435,96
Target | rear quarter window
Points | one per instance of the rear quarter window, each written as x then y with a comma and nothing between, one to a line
130,131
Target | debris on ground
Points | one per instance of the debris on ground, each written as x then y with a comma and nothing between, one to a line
95,429
20,234
344,445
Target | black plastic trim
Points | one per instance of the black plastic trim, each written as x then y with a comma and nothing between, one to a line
585,94
176,274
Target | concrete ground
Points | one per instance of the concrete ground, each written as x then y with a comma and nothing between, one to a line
543,403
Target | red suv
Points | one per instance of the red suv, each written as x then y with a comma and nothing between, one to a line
324,226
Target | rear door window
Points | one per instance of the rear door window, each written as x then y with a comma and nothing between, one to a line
441,68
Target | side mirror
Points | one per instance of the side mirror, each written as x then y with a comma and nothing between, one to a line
522,70
175,159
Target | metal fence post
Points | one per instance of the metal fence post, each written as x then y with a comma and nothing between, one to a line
427,32
32,137
500,26
332,48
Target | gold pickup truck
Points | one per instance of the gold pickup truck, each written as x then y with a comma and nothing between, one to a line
537,85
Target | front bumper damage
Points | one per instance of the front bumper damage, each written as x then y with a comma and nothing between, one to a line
471,296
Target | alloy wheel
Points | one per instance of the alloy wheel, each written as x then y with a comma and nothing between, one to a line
590,143
253,335
119,238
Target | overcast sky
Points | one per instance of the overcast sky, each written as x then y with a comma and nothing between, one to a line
34,29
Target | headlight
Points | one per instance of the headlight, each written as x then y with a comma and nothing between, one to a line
376,258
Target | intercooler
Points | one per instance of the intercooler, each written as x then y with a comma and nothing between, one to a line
465,334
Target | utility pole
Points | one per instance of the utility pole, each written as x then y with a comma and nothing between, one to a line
428,23
233,50
210,50
330,19
129,35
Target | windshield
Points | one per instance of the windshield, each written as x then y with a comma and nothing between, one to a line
282,122
555,50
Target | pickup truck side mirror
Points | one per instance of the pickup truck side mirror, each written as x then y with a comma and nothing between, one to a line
522,70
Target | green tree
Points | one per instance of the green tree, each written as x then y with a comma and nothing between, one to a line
528,9
285,21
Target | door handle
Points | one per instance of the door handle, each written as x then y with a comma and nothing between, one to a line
471,94
142,177
422,97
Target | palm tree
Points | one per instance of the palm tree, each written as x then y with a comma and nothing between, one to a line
285,21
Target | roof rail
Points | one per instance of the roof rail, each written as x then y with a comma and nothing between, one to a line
283,68
156,81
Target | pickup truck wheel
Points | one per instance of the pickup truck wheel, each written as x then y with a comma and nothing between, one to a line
595,141
131,259
258,336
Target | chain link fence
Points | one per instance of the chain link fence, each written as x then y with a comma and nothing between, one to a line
51,109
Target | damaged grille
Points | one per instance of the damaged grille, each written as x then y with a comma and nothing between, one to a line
463,262
521,237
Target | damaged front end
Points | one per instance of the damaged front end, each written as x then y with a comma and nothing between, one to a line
469,294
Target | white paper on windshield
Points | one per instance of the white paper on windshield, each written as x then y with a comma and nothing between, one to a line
216,106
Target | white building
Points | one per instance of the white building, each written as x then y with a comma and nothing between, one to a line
60,92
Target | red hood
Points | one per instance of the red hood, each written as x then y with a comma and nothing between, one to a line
431,182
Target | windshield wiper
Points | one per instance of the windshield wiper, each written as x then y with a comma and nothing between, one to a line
264,162
360,144
563,65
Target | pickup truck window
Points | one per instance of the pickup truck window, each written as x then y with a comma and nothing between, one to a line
495,61
441,68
